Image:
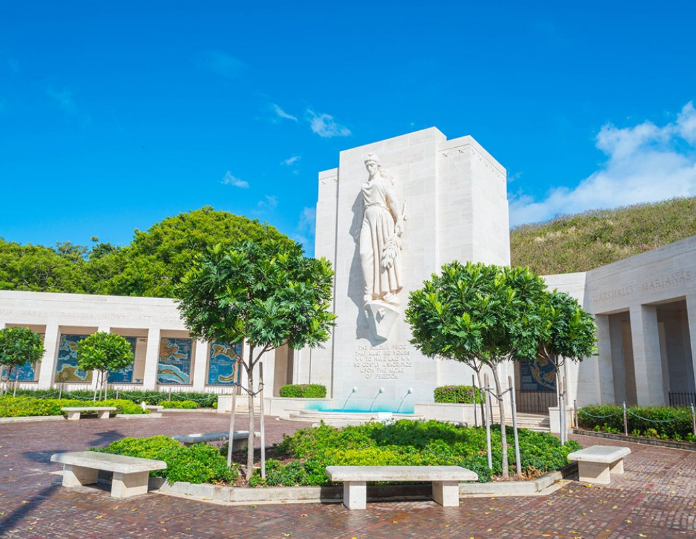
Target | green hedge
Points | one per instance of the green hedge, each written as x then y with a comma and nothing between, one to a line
30,406
180,405
662,422
203,400
458,394
407,443
199,463
303,391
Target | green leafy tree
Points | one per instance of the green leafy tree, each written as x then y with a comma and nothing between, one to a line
480,315
103,352
265,294
39,269
569,334
157,259
19,346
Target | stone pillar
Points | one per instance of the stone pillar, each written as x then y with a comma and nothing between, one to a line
200,359
691,315
604,368
47,369
646,356
151,358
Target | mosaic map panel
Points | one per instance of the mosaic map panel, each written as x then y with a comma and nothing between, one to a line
174,361
66,365
538,375
223,368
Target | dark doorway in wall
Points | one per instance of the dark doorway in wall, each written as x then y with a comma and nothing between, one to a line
622,358
675,349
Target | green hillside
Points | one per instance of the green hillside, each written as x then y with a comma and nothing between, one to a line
588,240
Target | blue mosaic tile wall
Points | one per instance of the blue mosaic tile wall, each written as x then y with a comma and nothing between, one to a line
224,366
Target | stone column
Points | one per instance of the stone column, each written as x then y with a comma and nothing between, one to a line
200,371
691,314
647,359
604,368
151,358
47,367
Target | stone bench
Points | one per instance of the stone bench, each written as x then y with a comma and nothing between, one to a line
239,441
75,411
445,480
130,477
152,408
597,463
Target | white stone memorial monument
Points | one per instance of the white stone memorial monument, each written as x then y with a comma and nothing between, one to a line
387,218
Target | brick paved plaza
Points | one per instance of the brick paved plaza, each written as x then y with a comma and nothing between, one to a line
656,497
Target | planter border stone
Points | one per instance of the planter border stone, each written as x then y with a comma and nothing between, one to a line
688,446
334,494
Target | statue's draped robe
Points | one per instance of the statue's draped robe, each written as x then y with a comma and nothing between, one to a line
376,235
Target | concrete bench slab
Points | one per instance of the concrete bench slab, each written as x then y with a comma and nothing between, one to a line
445,481
75,411
152,407
597,463
238,442
130,474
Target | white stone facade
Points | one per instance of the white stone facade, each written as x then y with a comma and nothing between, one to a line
146,319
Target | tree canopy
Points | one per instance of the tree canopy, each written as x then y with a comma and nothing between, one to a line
265,294
480,315
151,265
19,346
569,331
104,352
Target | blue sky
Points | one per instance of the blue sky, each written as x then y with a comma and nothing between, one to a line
114,115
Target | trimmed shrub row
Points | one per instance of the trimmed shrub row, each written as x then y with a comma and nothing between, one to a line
202,400
29,406
458,394
199,463
303,391
655,422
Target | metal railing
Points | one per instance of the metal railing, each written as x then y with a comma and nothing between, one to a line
680,399
535,402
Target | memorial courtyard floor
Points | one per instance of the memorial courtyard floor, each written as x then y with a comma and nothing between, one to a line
656,497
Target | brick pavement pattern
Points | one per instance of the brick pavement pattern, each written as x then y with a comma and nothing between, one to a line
656,498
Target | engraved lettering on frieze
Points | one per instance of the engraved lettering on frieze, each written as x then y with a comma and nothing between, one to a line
383,362
664,281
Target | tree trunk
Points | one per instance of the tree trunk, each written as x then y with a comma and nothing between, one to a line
501,409
250,448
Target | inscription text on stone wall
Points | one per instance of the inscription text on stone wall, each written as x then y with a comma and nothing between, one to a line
383,362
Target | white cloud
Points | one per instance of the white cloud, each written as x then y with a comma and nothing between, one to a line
66,101
269,204
645,163
282,114
229,179
291,160
221,63
325,126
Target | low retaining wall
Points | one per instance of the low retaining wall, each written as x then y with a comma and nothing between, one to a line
689,446
334,494
451,412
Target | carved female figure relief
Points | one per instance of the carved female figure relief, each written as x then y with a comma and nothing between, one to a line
380,235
